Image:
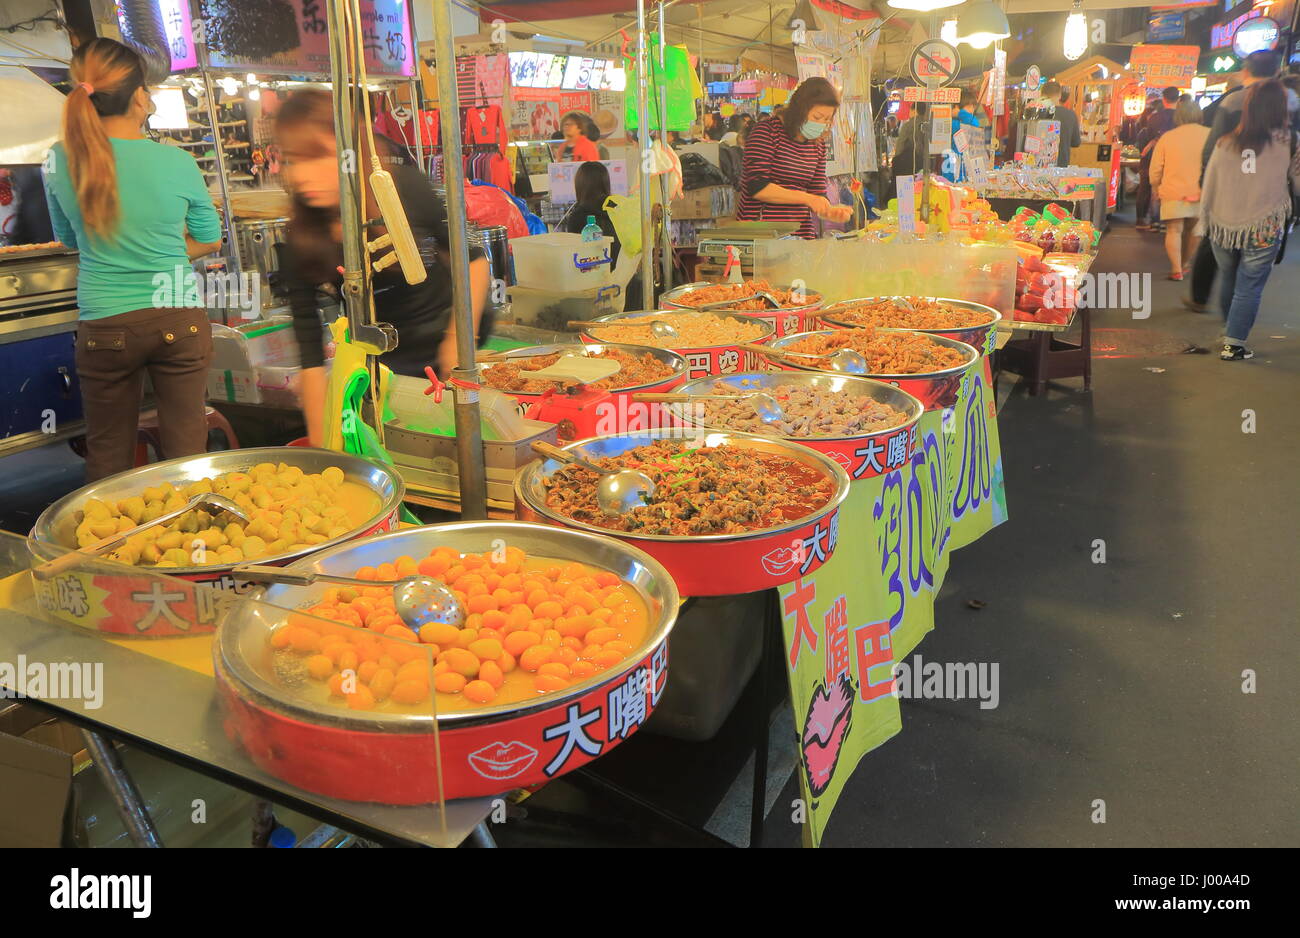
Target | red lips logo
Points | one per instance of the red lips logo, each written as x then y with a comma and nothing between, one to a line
780,561
502,760
842,460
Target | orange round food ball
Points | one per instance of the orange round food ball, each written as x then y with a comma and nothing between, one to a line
437,633
506,663
367,670
348,659
620,646
361,698
367,573
548,610
556,668
491,672
320,667
401,632
517,642
607,659
549,682
601,635
480,692
280,637
450,682
303,640
382,684
386,571
487,649
581,669
463,661
534,657
415,670
565,655
411,692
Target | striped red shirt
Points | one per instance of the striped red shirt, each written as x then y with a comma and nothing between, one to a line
772,156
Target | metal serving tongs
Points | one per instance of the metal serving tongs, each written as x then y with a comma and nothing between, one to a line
418,600
846,360
721,304
618,491
764,404
81,555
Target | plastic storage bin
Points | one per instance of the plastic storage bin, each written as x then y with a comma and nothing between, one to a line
561,261
553,309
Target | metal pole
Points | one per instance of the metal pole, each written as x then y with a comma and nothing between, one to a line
469,435
130,807
350,209
667,220
416,99
643,122
210,102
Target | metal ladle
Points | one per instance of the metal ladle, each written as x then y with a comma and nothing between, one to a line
418,600
765,405
618,491
845,360
72,558
658,328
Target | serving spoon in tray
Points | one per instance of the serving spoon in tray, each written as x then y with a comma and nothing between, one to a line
845,360
418,600
617,492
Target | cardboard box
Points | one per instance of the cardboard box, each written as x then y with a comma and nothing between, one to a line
37,759
694,204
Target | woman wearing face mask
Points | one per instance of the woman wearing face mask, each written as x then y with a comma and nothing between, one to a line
421,313
138,212
783,177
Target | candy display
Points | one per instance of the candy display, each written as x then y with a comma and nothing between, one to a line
535,626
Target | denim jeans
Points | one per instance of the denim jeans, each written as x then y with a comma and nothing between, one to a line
1242,275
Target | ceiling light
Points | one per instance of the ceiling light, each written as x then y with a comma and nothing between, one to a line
922,6
805,17
982,23
1075,43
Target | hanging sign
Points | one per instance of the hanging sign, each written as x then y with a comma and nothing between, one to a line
916,93
1256,35
1164,65
1033,78
935,63
175,15
1165,26
276,36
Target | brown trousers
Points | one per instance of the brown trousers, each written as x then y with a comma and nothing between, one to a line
113,354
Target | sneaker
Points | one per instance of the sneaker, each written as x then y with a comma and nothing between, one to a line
1235,353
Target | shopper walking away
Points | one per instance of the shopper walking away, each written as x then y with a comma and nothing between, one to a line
1222,117
1246,207
1156,122
1175,179
138,212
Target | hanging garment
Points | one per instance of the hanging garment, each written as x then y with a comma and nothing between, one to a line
676,82
486,125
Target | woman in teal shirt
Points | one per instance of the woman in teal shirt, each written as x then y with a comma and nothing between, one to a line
138,212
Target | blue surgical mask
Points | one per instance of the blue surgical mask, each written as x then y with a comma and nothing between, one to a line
812,130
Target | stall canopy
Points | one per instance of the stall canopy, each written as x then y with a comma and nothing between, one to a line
716,30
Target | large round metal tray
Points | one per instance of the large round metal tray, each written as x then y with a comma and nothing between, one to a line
935,390
978,335
589,349
702,360
862,456
785,320
710,564
388,757
54,531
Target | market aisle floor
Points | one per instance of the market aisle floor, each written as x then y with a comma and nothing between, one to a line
1120,681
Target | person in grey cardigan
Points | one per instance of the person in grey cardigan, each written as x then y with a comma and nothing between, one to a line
1246,207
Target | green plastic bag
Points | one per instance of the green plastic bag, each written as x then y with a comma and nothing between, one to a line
677,81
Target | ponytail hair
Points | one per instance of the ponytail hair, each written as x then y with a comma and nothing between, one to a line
106,75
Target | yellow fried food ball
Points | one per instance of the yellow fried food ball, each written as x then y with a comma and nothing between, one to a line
177,557
169,540
95,510
132,507
332,476
253,547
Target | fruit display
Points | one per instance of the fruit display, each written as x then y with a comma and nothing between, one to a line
288,510
534,626
1047,285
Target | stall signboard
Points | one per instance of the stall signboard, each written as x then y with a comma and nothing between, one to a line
840,662
1262,33
1222,34
1164,65
569,72
998,83
178,26
1165,26
276,36
933,95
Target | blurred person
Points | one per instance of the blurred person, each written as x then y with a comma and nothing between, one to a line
1222,116
1246,206
422,312
138,212
911,150
1175,177
784,169
1155,123
578,145
1070,136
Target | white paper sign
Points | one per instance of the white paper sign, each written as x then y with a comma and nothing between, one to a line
561,180
906,204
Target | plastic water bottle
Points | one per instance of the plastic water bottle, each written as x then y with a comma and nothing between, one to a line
591,231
